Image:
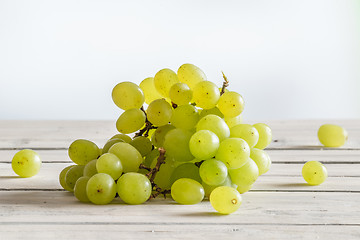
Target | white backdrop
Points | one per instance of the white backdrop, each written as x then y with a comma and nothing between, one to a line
289,59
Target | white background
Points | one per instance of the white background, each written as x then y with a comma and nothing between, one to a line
289,59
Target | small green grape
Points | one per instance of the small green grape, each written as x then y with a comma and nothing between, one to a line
190,74
185,170
332,135
134,188
314,172
176,145
90,168
80,189
265,135
129,156
109,163
234,152
164,80
262,160
26,163
180,94
244,188
246,132
72,175
159,135
245,175
159,112
187,191
142,144
231,104
149,90
215,124
109,143
233,121
122,136
82,151
128,95
213,172
101,189
206,94
130,121
185,117
225,199
62,178
204,144
209,188
213,111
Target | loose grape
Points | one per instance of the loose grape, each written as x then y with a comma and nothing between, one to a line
314,172
204,144
234,152
265,135
129,156
80,189
213,172
82,151
206,94
180,94
262,160
225,199
26,163
246,132
164,80
185,117
332,135
231,104
187,191
245,175
127,95
134,188
215,124
159,112
149,90
72,175
62,178
109,163
185,170
130,121
190,74
101,189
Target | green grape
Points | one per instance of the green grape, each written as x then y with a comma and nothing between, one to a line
187,191
163,81
204,144
159,135
314,172
26,163
185,117
246,175
134,188
190,74
123,137
90,168
142,144
162,178
149,159
185,170
232,121
225,199
176,145
209,188
246,132
149,90
130,121
82,151
332,135
265,135
213,172
213,111
206,94
128,95
234,152
109,163
180,94
109,143
215,124
244,188
101,189
231,104
72,175
80,189
159,112
262,160
129,156
62,178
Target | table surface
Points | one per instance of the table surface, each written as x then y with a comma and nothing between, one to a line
279,206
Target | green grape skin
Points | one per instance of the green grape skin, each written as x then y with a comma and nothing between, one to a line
204,144
206,94
149,90
134,188
213,172
90,169
129,156
314,172
82,151
209,188
142,144
265,135
62,178
262,160
80,189
187,191
213,111
110,164
162,178
225,200
128,95
245,175
331,135
232,121
101,189
185,117
109,143
72,175
180,94
244,188
231,104
215,124
176,144
185,170
26,163
246,132
164,80
159,112
234,152
130,121
158,137
190,74
122,136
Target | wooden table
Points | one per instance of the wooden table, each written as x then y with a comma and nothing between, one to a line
280,206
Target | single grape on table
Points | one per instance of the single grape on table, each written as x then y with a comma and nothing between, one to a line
26,163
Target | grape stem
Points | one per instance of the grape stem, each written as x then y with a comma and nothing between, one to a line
148,126
225,84
142,166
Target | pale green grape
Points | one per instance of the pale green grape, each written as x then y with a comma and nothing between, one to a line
80,189
265,135
90,168
26,163
109,143
232,121
213,111
101,189
244,188
246,175
225,199
109,163
149,90
190,74
163,81
159,135
149,159
215,124
176,145
72,175
62,178
128,95
331,135
187,191
213,172
185,117
206,94
246,132
142,144
82,151
234,152
130,121
204,144
185,170
314,172
134,188
209,188
162,178
180,94
129,156
262,160
123,137
159,112
231,104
